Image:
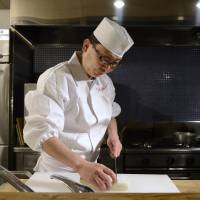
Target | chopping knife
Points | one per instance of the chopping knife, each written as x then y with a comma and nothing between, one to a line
72,185
115,161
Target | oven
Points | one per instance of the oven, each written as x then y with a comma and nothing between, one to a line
156,149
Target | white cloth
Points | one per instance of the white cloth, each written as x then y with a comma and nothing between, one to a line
67,105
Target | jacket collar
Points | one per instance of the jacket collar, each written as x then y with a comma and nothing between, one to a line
77,69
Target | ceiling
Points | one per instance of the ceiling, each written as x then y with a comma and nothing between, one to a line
4,4
96,7
145,10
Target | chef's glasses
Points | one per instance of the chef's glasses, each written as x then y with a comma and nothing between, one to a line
104,60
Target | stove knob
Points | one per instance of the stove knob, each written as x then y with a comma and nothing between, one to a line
170,160
145,161
190,161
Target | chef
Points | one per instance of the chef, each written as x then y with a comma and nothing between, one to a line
73,107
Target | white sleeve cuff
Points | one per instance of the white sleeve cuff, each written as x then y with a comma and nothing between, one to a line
47,136
34,137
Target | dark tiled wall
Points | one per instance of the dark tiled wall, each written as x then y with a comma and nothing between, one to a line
159,84
48,55
152,84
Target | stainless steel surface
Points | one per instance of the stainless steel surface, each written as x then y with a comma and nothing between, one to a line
4,96
24,150
4,103
26,158
22,37
4,45
13,180
184,138
4,50
22,174
72,185
26,161
4,155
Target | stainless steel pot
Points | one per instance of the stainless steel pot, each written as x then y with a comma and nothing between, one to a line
184,138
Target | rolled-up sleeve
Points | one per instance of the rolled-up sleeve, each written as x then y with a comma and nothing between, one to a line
45,116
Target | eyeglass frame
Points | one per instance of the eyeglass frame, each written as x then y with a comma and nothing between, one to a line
113,65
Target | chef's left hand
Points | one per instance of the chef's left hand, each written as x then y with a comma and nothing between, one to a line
114,145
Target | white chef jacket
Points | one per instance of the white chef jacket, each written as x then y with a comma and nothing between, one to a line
68,105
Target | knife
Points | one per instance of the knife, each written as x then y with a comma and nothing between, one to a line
115,160
72,185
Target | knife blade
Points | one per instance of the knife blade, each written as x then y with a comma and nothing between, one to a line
115,161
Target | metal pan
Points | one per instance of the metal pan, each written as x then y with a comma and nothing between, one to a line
184,138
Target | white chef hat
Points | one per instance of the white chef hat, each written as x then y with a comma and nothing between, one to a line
113,37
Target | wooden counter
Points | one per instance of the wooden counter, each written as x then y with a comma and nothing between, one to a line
97,196
190,190
188,186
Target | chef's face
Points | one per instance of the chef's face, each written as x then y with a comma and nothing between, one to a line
97,60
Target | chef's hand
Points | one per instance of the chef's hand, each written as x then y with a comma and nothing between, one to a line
114,145
97,174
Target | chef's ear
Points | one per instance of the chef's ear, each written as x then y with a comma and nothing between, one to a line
86,44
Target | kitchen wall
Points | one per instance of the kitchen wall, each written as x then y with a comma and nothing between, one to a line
152,84
4,18
158,79
159,84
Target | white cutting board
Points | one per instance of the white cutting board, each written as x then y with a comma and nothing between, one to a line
137,183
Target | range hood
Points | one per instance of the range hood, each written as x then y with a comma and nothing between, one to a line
90,12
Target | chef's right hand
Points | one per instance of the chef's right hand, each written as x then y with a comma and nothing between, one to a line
97,174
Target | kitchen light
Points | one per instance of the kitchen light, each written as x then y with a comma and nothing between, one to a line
119,4
198,5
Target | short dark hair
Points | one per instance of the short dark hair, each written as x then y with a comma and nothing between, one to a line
93,39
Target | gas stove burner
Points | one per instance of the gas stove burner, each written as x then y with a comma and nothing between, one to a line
137,144
147,145
162,144
163,148
185,145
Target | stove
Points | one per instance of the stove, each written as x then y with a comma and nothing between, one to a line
157,149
